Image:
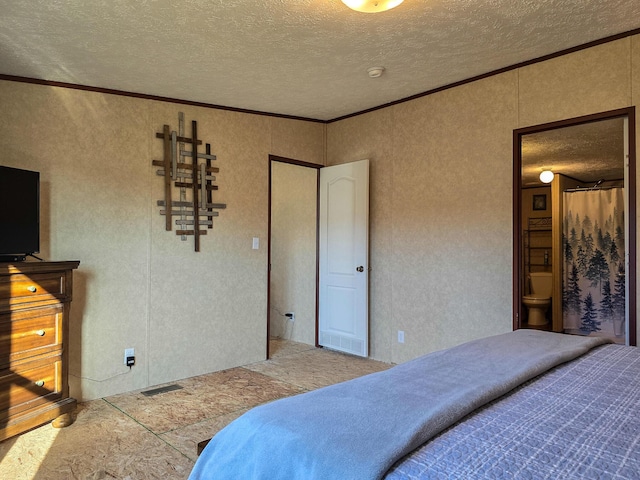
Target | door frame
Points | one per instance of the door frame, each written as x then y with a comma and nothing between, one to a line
317,167
628,112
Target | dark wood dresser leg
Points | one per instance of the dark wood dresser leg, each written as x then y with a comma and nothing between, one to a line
63,420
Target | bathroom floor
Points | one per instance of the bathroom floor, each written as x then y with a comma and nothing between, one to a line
134,436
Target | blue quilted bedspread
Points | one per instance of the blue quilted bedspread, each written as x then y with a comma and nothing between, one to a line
579,421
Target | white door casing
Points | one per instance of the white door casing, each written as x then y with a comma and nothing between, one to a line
343,316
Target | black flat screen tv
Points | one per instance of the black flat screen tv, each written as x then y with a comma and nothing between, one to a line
19,213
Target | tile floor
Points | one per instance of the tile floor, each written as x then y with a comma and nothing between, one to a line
137,437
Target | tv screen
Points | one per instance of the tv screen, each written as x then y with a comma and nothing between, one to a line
19,212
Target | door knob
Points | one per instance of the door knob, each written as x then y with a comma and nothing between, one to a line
360,269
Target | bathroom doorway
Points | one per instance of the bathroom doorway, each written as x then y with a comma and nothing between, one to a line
589,255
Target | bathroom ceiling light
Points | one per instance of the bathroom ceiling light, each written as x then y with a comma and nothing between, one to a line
371,6
546,176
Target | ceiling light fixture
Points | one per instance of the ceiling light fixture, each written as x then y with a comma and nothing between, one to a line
546,176
371,6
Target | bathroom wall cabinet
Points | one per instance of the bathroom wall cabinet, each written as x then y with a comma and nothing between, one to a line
34,315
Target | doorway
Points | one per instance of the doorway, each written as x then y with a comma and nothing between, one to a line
594,153
292,277
318,223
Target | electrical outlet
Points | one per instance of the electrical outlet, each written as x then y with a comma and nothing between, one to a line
129,353
400,336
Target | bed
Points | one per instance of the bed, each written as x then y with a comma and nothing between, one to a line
526,404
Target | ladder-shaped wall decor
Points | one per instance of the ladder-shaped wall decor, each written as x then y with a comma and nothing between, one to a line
181,169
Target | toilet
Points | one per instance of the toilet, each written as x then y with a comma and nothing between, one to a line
539,299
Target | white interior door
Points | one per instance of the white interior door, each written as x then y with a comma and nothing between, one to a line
343,313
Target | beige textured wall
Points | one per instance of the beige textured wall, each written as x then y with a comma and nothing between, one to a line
185,313
293,251
441,182
581,83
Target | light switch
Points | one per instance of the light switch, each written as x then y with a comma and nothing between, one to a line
256,243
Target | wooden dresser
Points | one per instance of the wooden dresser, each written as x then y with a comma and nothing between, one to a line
34,358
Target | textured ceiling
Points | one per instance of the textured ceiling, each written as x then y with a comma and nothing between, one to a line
305,58
589,152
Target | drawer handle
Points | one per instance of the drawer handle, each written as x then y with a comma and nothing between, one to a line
32,289
40,333
40,383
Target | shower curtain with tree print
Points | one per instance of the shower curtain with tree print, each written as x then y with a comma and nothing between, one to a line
593,276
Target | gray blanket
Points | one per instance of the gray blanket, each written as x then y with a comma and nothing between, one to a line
580,421
358,429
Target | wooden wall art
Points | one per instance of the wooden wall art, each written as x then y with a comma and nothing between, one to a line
190,174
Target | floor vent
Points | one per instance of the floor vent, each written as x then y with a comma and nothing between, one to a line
156,391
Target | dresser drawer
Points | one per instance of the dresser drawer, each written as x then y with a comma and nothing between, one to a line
29,332
32,385
35,287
